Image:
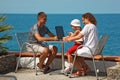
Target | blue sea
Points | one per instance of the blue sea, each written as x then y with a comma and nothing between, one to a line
107,24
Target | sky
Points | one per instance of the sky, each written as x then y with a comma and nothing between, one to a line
60,6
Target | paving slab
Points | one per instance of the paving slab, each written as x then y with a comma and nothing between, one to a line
29,74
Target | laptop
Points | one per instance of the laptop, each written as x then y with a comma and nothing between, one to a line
59,32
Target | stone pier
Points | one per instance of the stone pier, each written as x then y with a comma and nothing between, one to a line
7,63
113,73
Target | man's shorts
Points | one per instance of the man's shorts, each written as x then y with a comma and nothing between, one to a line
38,47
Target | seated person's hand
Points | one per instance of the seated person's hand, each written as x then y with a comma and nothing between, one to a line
65,38
70,33
55,38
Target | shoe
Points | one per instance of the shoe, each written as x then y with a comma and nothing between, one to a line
86,68
41,69
45,70
68,64
67,70
79,73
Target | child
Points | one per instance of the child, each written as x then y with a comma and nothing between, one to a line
75,24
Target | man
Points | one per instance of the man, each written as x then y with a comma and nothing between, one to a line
37,36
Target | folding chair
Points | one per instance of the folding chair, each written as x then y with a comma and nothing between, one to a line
7,77
23,41
100,45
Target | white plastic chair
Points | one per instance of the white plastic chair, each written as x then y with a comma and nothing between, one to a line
23,41
98,51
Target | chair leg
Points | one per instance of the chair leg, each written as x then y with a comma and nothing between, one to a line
34,61
35,65
95,68
18,62
104,64
34,58
17,65
73,66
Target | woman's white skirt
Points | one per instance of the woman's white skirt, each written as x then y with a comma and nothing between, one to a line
84,51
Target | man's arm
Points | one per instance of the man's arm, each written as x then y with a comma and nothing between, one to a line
51,34
41,39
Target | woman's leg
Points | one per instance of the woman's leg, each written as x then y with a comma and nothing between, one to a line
83,52
80,70
83,64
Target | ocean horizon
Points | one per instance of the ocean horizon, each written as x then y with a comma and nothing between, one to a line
107,24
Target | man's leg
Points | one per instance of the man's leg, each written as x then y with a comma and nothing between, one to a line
43,57
51,56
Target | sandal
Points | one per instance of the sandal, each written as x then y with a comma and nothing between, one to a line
79,73
44,70
86,68
39,65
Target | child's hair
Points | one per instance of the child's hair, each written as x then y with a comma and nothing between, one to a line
79,28
90,17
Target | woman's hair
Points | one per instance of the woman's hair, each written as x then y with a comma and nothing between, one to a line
90,17
41,14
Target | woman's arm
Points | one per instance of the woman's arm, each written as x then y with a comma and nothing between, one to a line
73,38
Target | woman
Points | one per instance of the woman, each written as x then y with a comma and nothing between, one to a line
90,36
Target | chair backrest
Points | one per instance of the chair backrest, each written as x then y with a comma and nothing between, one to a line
101,43
22,37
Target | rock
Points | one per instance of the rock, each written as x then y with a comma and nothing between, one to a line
7,63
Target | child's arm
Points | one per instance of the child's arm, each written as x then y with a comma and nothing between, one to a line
76,33
70,33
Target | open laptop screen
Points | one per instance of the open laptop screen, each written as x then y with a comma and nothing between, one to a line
59,32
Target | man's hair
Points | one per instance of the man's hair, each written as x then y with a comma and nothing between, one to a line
90,17
41,14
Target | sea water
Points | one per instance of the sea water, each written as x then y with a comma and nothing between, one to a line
106,24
